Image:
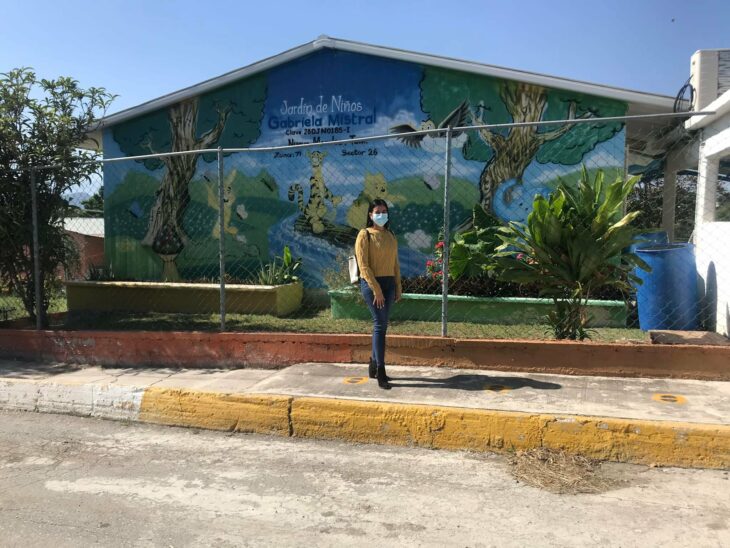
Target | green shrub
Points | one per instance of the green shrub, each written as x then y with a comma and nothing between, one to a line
472,251
572,245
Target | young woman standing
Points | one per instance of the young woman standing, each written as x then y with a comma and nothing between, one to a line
376,250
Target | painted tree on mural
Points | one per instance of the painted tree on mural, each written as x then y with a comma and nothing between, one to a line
508,152
227,117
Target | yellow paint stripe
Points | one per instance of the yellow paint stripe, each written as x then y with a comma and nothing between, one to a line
416,425
624,440
216,411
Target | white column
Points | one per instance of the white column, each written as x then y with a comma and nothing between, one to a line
706,189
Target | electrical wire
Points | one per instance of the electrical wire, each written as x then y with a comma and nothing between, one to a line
679,99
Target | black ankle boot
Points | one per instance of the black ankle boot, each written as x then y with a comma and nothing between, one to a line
373,370
385,374
383,379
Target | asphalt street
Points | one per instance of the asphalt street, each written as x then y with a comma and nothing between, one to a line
68,481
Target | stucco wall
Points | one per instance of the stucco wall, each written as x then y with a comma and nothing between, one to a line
713,267
712,236
91,253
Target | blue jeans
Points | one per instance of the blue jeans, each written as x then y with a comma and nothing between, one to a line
380,315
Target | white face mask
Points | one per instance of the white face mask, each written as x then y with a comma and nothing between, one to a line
380,219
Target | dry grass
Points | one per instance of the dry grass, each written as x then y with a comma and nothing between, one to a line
559,472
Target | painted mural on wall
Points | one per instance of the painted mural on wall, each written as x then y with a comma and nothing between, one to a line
162,214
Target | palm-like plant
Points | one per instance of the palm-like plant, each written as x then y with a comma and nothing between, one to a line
282,270
573,244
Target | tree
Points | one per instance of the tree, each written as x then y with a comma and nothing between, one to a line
42,123
508,152
229,116
94,206
648,196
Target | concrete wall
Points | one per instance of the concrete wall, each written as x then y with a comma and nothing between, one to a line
275,350
711,234
91,253
713,267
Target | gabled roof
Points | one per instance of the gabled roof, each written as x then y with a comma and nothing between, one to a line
639,102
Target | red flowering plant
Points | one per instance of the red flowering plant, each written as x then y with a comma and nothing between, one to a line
525,258
435,267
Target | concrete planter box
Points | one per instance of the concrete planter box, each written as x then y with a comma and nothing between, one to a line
186,298
491,310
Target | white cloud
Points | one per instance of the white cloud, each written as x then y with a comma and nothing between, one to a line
418,239
383,124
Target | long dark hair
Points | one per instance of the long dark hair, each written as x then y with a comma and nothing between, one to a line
375,203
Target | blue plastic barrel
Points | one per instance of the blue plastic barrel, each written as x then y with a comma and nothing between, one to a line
649,238
645,239
668,298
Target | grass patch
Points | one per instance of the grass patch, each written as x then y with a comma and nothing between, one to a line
17,312
321,322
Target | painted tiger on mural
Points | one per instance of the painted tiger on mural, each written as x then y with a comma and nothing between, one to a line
315,209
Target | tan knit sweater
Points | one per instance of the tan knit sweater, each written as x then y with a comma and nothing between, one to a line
377,256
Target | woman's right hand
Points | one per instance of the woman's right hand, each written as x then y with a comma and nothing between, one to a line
379,300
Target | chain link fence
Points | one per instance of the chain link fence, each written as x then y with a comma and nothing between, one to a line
258,239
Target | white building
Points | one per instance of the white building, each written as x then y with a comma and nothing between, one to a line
711,80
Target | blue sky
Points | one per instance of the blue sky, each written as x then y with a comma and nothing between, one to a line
143,49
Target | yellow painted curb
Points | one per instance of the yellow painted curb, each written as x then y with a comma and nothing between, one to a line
641,441
416,425
623,440
216,411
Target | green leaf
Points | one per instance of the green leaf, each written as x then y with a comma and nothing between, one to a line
287,256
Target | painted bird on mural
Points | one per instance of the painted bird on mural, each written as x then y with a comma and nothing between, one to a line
456,118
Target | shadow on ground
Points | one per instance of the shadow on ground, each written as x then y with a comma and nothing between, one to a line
27,370
474,383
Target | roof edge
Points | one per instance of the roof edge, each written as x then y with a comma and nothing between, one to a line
326,42
545,80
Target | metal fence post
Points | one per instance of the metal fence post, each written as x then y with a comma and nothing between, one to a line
221,240
447,239
36,251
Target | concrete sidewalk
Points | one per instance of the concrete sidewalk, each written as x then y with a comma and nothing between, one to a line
666,422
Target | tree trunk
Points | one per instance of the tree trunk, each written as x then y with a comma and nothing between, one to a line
165,233
513,153
503,167
29,300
